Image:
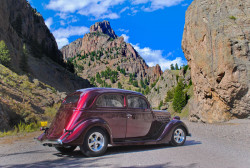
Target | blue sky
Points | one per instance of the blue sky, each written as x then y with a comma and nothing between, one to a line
153,27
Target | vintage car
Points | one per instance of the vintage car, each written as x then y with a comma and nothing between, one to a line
95,117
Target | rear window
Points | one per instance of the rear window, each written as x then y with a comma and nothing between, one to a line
137,102
110,100
72,100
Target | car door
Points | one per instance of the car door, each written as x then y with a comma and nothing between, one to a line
139,117
111,108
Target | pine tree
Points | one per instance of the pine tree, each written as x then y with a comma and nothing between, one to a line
176,67
119,85
179,97
172,67
4,54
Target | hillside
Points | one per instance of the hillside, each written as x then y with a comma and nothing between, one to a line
32,47
33,74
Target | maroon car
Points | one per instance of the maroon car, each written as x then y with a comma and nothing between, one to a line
95,117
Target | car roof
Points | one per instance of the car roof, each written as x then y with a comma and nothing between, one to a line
110,90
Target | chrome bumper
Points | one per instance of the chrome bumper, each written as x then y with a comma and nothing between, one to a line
49,143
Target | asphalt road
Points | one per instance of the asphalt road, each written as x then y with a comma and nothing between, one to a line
224,145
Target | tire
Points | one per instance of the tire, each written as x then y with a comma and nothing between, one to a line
95,143
66,149
178,137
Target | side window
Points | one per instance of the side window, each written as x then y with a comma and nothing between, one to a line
110,100
137,102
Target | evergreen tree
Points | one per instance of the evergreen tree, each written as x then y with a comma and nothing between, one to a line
119,85
4,54
172,67
176,67
179,97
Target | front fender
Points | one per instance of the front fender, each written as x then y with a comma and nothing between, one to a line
168,131
77,134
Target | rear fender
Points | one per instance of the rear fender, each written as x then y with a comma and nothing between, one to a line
77,134
168,131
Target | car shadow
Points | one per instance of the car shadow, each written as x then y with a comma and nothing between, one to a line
113,150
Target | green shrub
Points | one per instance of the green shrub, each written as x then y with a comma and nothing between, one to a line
179,100
232,17
4,54
119,85
160,105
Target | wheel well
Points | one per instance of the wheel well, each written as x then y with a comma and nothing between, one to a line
105,130
184,129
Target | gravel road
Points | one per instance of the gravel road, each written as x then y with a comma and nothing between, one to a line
225,145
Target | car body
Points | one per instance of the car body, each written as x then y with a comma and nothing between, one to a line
95,117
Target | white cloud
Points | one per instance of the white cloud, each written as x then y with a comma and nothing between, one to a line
63,34
49,22
123,30
62,42
153,57
97,8
156,4
125,37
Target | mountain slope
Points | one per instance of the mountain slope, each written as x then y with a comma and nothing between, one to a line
21,27
102,48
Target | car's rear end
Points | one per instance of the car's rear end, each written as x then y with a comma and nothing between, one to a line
65,119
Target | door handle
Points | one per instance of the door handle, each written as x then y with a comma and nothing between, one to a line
129,115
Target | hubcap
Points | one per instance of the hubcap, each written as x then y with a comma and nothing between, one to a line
96,141
179,136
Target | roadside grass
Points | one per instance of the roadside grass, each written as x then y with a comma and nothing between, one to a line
21,128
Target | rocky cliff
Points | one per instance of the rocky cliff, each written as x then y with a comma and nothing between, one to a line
21,25
37,77
216,45
102,48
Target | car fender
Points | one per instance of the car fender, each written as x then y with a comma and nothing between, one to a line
166,135
77,134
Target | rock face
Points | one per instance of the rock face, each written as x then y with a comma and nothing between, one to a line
72,49
167,81
21,25
103,27
102,48
216,45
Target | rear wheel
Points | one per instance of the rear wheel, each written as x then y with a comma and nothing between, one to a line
178,137
66,149
95,143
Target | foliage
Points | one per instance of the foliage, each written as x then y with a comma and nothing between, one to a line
179,100
147,90
120,85
135,83
21,128
4,54
185,68
50,112
153,84
160,105
170,95
176,67
172,67
232,17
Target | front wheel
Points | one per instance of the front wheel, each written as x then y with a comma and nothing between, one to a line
178,137
66,149
95,143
